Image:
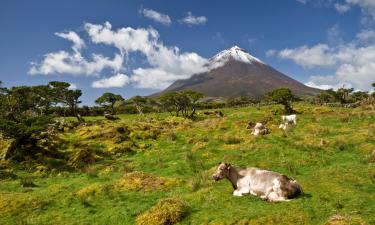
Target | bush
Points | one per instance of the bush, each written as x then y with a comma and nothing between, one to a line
167,211
140,181
82,158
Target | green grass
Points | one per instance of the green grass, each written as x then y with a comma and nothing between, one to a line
337,176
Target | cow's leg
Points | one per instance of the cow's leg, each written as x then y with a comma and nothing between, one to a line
275,197
237,193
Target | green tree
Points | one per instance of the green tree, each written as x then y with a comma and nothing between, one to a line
359,96
139,102
72,100
342,94
109,99
184,102
283,96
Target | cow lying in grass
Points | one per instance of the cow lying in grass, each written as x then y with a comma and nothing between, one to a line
257,128
268,185
290,119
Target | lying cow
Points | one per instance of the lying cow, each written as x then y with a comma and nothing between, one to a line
257,128
267,185
290,119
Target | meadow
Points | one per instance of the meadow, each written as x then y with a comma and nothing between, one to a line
118,172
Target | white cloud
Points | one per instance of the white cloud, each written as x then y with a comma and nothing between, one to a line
73,86
366,36
309,57
270,53
354,62
118,80
167,64
72,36
302,1
156,16
63,62
342,8
190,19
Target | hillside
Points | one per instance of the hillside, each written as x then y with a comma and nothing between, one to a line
118,170
234,73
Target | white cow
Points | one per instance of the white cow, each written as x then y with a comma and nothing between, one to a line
290,119
257,129
284,126
268,185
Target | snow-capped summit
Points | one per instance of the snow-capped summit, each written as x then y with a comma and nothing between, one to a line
233,53
234,73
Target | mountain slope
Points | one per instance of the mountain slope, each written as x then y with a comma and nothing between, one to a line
233,73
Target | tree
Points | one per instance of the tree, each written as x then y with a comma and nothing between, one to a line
359,96
283,96
184,102
342,94
325,97
108,100
138,102
72,100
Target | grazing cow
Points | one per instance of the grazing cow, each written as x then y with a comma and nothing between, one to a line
290,119
283,126
257,128
268,185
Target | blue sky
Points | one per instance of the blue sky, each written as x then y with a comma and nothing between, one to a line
130,47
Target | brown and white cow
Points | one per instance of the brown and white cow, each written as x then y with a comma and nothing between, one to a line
268,185
257,128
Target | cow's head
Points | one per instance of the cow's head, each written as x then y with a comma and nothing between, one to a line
250,125
222,171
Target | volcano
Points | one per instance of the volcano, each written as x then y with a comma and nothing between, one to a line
233,73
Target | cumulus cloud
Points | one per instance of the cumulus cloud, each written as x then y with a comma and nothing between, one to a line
191,20
118,80
72,36
354,62
271,52
63,62
342,8
165,64
73,86
309,57
366,36
156,16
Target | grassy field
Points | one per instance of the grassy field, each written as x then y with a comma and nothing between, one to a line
125,167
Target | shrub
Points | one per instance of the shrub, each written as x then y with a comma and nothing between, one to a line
82,158
27,182
165,212
140,181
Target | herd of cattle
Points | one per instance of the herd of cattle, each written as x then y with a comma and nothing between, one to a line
268,185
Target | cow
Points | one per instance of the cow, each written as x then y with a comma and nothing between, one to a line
268,185
257,128
284,126
290,119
